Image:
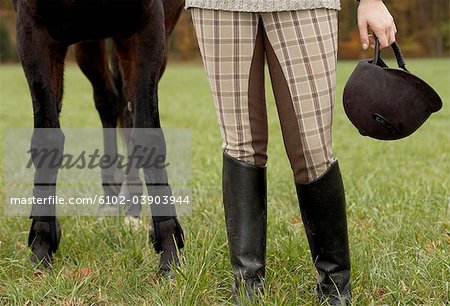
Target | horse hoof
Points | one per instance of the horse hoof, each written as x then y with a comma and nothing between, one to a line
133,222
41,258
167,273
170,261
41,246
106,210
151,233
171,256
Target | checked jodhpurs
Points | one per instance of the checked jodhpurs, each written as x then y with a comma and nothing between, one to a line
301,51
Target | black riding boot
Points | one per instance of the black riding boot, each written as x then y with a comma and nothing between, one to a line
245,203
322,205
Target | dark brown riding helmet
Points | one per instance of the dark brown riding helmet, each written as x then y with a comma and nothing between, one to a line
385,103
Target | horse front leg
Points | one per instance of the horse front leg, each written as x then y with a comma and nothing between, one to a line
140,60
43,64
92,58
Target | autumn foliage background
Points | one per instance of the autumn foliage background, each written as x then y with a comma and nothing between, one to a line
423,31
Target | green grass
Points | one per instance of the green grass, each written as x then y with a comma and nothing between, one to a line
398,196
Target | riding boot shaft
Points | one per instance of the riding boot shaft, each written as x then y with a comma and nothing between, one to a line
245,204
322,205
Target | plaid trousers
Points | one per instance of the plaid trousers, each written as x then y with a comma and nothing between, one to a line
301,51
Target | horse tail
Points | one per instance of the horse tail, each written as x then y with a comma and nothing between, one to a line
172,13
117,74
118,84
124,120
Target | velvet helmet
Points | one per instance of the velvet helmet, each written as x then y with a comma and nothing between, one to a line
386,103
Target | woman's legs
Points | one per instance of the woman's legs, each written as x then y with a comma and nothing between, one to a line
301,49
233,56
232,48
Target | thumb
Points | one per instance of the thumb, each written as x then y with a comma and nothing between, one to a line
364,35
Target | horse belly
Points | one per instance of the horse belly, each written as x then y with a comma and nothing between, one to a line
78,20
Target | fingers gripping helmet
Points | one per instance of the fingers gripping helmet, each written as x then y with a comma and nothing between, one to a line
385,103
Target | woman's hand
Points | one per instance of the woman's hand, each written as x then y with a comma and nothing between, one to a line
374,14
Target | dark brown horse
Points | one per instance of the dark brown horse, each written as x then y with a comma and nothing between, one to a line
125,85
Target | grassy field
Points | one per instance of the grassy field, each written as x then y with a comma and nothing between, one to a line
398,196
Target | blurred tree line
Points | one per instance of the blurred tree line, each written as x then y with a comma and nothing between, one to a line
423,30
